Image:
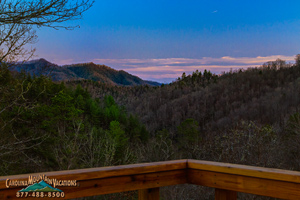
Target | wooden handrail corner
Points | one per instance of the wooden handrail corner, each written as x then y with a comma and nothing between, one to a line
228,179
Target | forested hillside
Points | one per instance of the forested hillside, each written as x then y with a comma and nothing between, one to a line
266,95
244,116
47,126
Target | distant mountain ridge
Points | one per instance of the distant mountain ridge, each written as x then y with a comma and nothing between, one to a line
88,71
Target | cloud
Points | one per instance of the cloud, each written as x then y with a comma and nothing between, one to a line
166,69
62,62
188,61
256,60
215,11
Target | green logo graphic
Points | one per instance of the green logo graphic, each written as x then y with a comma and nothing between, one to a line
42,186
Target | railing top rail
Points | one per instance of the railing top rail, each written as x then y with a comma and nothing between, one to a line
104,172
121,170
245,170
223,176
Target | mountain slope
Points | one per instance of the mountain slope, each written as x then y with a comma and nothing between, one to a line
88,71
105,74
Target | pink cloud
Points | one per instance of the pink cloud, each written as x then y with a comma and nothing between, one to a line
172,68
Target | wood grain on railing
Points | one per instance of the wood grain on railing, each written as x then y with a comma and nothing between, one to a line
248,179
228,179
106,180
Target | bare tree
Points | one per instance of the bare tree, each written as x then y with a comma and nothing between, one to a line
13,38
41,12
18,18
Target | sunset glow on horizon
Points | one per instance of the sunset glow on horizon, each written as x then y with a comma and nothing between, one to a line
158,40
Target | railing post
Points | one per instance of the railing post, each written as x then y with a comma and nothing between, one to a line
221,194
149,194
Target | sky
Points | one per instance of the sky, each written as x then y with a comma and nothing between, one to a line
160,39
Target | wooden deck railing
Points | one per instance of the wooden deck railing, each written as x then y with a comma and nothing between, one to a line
227,179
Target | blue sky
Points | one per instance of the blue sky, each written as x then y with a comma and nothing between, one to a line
158,40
